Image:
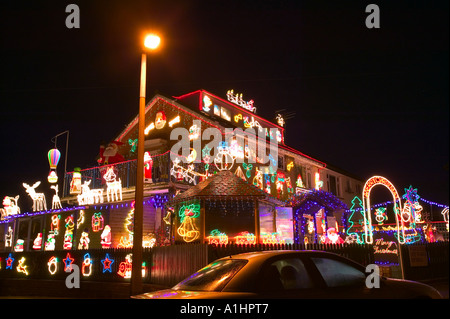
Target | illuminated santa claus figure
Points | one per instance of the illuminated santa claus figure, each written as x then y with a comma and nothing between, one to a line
333,237
110,154
37,243
84,240
106,237
148,165
160,120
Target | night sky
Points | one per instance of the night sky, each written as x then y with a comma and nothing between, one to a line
369,101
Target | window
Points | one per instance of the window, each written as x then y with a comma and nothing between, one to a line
285,274
332,184
213,277
281,163
338,274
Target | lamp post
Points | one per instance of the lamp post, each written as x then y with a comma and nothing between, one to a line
151,42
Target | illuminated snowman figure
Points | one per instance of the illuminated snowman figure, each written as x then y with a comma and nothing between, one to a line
223,159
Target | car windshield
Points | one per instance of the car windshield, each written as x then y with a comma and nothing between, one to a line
212,277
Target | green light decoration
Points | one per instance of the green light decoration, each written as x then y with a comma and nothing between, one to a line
356,220
133,144
187,229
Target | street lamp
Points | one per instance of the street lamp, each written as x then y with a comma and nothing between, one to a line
151,42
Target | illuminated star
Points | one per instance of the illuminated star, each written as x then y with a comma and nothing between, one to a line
9,262
107,262
411,194
68,262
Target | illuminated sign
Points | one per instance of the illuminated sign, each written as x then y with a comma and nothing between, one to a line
239,116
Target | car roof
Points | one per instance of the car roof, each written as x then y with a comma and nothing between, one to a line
270,253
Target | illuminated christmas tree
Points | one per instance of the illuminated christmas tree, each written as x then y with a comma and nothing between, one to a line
356,221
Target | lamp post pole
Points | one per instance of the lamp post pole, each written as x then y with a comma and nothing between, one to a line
136,271
151,42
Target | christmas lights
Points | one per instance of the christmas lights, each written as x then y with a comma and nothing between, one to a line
68,261
370,183
52,265
223,159
380,215
445,216
9,262
53,159
280,120
10,206
125,267
84,240
217,238
174,121
56,202
75,183
160,120
89,196
37,243
150,127
97,222
9,237
86,267
114,187
50,243
237,99
106,237
133,144
245,238
21,267
258,179
39,202
187,229
19,245
317,182
194,132
107,262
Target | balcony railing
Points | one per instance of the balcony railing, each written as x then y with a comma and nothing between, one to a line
125,171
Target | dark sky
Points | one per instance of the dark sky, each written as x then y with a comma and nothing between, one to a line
370,101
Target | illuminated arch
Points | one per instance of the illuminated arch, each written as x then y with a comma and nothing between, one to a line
371,183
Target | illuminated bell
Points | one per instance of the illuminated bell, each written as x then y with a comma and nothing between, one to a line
53,157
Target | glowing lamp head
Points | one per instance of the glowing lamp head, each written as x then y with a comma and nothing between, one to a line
152,41
53,157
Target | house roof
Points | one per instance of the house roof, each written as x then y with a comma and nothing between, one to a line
222,184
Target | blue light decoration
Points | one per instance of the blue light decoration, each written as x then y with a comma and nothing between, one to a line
68,262
310,203
9,262
107,262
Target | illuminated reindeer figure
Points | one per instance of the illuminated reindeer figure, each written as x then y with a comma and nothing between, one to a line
39,202
90,196
113,186
56,202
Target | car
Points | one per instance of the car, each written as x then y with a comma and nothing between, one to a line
290,275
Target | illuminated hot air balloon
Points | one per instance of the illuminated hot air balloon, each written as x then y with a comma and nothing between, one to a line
53,159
